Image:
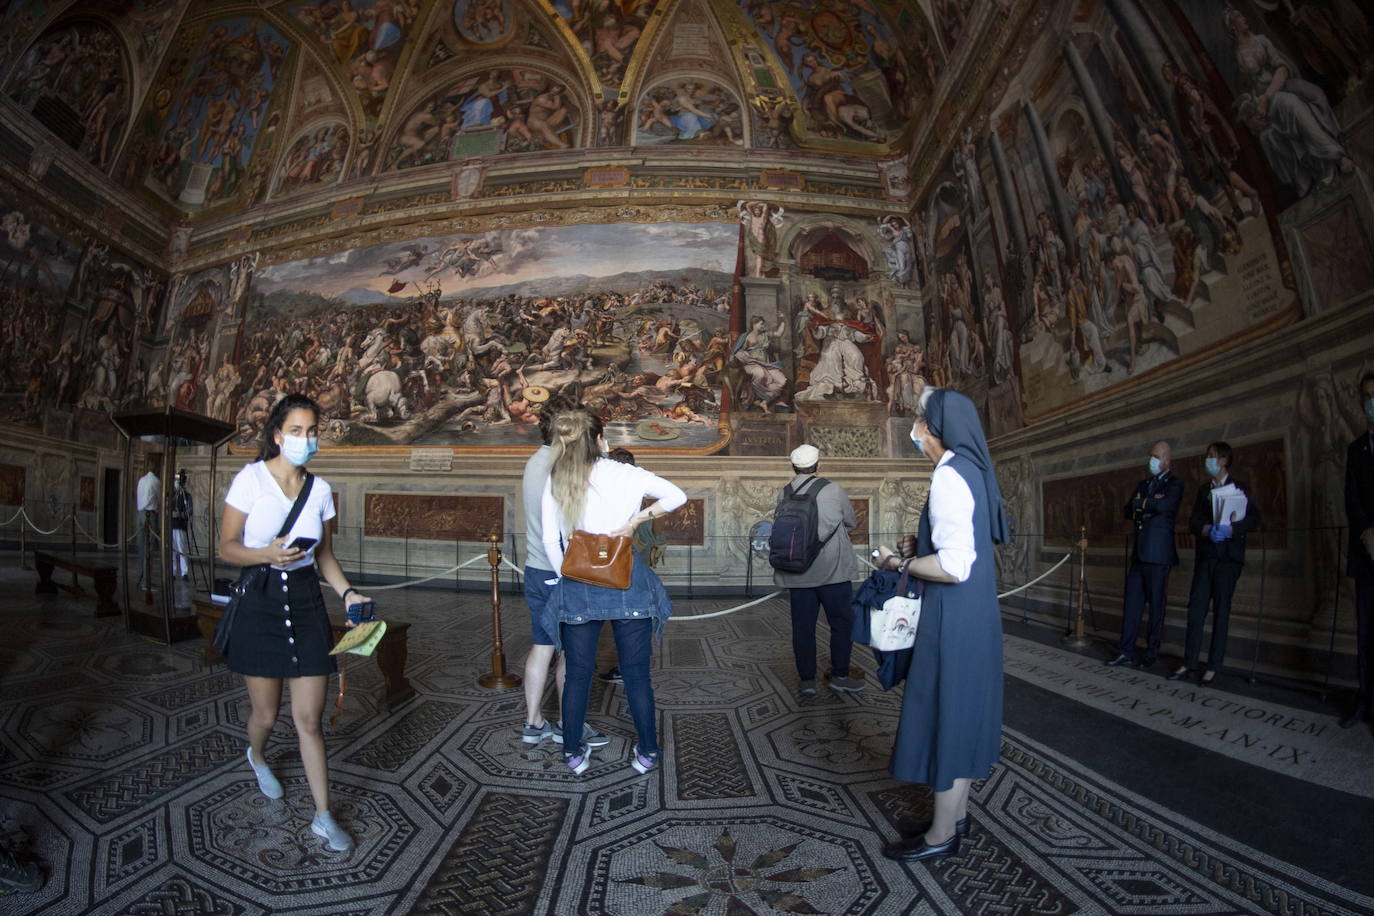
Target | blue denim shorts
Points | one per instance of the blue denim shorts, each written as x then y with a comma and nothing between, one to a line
537,597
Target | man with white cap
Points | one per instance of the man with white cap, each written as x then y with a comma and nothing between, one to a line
826,580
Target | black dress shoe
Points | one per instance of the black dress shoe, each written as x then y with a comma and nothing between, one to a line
1357,715
1122,659
1149,662
1182,672
918,850
910,831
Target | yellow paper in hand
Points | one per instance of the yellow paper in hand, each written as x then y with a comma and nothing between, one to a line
362,639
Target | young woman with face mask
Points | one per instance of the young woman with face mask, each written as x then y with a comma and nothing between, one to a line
281,631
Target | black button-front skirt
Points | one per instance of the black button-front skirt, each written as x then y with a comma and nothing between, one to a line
282,629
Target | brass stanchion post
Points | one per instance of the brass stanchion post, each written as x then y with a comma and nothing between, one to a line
498,677
1078,639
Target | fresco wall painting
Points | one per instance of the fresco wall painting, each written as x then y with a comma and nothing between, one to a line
75,81
1129,215
365,38
37,360
461,340
494,111
844,62
207,116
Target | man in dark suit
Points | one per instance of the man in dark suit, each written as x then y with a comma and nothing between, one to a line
1359,514
1220,559
1152,511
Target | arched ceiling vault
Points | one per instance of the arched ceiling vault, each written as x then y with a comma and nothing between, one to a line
260,112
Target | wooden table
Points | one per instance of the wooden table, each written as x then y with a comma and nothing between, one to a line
104,575
390,654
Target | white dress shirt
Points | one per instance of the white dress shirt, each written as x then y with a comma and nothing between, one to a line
615,493
951,520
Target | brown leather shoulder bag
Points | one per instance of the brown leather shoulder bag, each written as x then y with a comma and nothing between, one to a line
599,559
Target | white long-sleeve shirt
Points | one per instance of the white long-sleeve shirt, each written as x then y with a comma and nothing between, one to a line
951,520
615,493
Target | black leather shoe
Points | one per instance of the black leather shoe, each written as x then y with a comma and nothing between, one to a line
1122,659
1357,715
911,831
918,850
1180,673
1149,662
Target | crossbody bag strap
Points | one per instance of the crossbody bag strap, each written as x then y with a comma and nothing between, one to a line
297,506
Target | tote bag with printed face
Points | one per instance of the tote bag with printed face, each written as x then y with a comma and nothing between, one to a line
893,626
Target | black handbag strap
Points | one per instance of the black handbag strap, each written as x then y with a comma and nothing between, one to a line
297,506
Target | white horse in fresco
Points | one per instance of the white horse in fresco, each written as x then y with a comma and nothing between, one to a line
383,396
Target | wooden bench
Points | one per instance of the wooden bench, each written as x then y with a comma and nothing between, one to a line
391,652
104,575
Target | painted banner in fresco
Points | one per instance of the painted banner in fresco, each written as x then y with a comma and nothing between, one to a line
463,340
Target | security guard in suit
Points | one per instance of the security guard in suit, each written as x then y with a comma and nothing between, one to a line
1217,566
1359,514
1152,511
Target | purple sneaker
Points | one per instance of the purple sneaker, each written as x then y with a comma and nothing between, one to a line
643,763
579,762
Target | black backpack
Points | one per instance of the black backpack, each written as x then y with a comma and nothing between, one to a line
796,542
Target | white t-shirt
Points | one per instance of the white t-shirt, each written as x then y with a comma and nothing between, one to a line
149,490
256,494
615,492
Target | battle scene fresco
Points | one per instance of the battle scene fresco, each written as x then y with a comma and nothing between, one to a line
495,111
848,68
75,81
212,116
462,340
365,38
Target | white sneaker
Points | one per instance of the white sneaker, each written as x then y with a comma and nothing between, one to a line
325,826
267,781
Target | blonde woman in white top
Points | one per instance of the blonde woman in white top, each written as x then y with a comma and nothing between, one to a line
590,492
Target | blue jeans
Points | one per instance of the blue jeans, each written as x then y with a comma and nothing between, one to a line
632,641
806,603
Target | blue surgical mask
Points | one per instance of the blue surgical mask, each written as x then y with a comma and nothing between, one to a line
1369,409
1155,466
299,449
916,441
1213,466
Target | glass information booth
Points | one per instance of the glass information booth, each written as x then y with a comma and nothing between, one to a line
175,617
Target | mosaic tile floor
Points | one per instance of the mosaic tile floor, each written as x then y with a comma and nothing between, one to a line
121,771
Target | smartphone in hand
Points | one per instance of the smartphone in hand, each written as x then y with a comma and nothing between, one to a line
302,544
362,612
